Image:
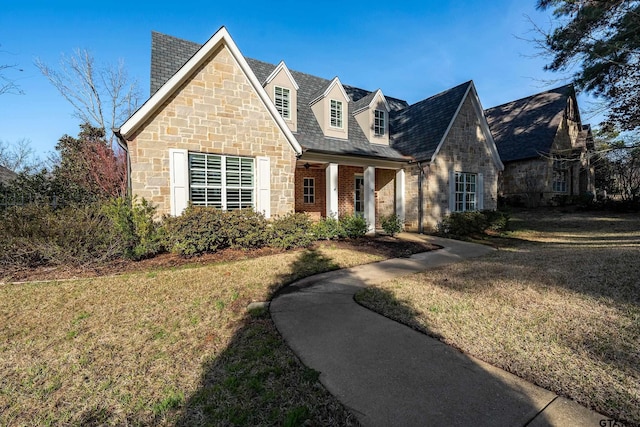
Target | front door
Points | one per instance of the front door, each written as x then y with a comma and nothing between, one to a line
358,195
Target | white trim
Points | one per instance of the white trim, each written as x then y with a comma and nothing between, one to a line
475,100
341,117
384,99
453,119
275,96
263,186
331,195
369,198
178,180
220,38
477,105
281,66
335,81
384,123
400,196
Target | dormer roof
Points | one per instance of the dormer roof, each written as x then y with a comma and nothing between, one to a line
281,67
367,102
415,131
323,92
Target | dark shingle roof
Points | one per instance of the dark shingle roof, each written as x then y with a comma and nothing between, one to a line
168,54
415,131
526,128
419,128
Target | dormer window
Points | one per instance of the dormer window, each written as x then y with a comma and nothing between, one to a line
283,101
336,114
378,122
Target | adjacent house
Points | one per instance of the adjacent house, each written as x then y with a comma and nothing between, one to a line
6,175
544,146
231,132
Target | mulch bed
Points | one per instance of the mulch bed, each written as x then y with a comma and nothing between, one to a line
388,247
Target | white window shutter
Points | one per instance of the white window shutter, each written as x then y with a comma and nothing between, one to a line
263,185
179,171
452,191
480,192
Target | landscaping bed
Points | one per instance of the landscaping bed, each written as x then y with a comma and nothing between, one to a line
385,246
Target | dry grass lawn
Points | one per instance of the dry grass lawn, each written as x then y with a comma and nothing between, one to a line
161,347
557,304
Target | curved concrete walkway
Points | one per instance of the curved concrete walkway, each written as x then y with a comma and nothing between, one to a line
388,374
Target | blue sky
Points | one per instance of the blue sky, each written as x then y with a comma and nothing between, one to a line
410,49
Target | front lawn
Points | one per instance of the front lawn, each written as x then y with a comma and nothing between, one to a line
162,347
558,304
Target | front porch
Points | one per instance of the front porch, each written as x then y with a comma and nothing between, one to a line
331,189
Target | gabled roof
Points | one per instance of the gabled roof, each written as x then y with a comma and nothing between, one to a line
323,92
526,128
421,128
367,101
416,131
200,57
6,175
281,67
310,133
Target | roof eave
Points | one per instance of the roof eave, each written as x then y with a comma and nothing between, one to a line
220,38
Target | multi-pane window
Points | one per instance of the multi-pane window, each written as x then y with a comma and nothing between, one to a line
560,174
222,182
283,101
378,122
336,114
309,190
466,192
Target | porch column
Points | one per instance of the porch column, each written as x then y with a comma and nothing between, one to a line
369,198
400,195
332,190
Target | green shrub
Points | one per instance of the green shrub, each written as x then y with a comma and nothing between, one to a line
35,235
391,224
354,226
133,223
327,229
197,231
291,231
496,220
245,229
465,224
202,230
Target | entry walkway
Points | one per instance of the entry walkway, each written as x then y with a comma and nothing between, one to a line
388,374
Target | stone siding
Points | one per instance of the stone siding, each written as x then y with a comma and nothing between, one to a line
385,193
465,149
215,111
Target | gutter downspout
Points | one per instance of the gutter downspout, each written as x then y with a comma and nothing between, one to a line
123,144
420,198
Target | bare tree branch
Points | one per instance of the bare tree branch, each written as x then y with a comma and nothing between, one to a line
19,156
101,96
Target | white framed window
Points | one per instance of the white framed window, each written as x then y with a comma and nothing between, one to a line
466,187
336,114
223,182
282,97
309,190
560,175
378,122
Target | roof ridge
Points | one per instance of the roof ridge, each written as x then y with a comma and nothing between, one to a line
531,96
